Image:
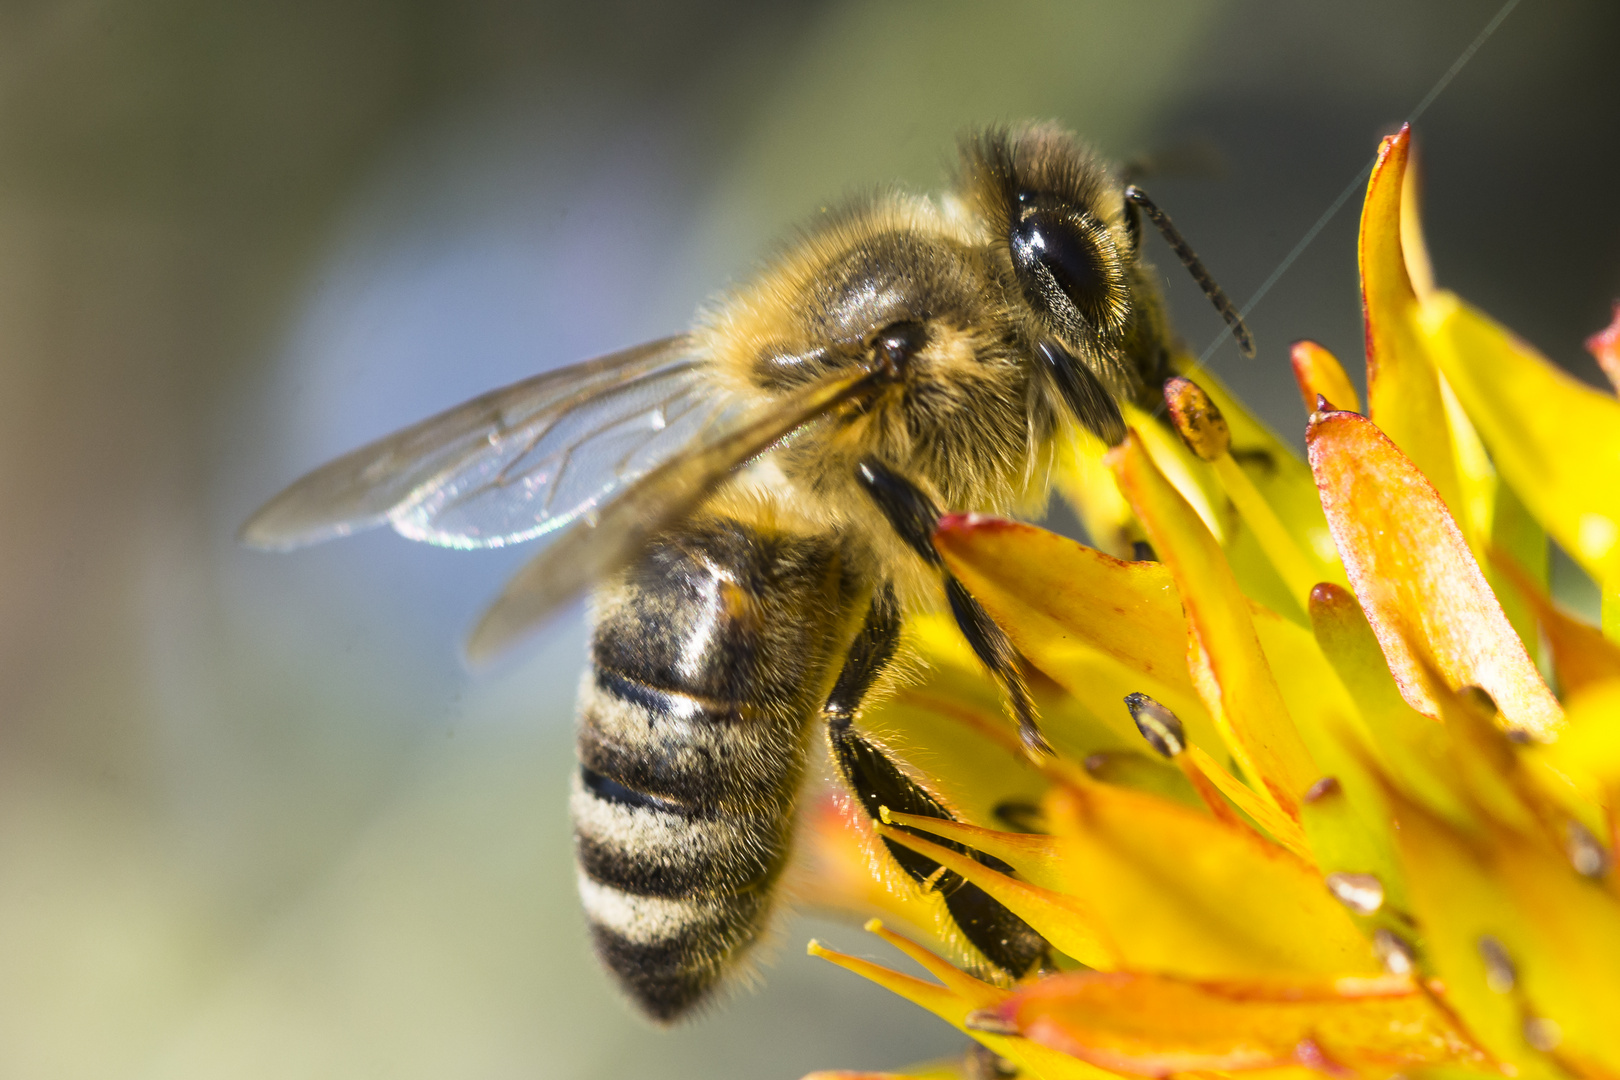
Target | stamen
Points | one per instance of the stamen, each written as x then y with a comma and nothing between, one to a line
1361,893
1589,857
990,1022
1542,1034
1394,952
1500,974
1322,789
1198,419
1158,725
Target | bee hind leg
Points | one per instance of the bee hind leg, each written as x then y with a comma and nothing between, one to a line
879,784
914,517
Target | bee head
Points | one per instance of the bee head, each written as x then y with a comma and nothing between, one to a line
1060,229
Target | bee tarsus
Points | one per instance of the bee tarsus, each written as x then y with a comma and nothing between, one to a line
880,785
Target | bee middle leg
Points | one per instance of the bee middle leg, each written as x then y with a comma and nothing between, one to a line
878,783
914,517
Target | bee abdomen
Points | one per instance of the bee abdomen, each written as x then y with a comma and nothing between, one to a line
709,659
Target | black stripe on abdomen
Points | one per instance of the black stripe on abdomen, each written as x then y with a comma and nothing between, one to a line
709,658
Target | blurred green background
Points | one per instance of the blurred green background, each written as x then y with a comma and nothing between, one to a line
255,821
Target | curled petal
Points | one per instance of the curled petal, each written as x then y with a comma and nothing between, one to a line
1416,579
1403,387
1320,374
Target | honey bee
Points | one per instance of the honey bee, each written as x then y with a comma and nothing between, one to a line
754,501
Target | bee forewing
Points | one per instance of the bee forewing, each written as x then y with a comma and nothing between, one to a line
507,465
613,537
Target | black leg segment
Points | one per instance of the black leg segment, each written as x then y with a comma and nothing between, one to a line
877,782
1087,398
912,513
915,517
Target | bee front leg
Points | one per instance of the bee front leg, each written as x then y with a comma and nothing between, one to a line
879,784
915,517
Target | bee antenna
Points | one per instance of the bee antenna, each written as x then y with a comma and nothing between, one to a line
1189,259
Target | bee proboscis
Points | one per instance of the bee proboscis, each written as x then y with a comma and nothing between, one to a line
753,502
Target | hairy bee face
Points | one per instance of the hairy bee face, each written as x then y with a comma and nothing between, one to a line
1063,237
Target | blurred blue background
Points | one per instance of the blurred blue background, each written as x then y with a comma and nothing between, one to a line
255,820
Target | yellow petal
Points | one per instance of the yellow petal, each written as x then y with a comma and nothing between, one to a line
1514,933
954,1001
1588,752
1103,629
1190,475
1282,828
1100,627
1153,1025
1081,477
842,869
1403,388
1175,890
1407,742
1555,440
1224,654
1416,578
1517,536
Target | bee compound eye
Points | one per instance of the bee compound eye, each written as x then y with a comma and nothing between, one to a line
897,343
1050,241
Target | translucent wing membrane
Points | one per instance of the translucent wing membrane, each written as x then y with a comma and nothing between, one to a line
511,464
604,542
531,482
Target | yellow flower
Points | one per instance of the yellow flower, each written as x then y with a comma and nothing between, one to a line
1362,836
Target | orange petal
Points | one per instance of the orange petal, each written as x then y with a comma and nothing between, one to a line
1153,1025
1605,346
1403,386
1319,373
1224,654
1416,579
